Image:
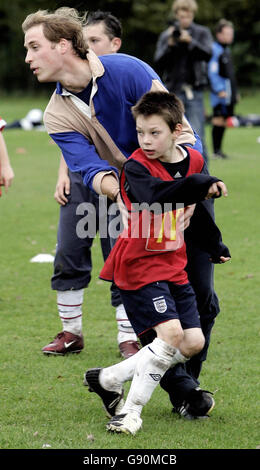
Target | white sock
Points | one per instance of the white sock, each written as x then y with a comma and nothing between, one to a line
112,378
69,305
125,329
151,366
178,357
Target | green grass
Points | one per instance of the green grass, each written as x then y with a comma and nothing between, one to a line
43,400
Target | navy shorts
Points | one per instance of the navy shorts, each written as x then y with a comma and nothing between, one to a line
223,110
159,302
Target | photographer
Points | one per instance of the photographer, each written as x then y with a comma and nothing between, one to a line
181,57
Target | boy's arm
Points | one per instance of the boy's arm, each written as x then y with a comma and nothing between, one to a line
146,188
205,233
204,214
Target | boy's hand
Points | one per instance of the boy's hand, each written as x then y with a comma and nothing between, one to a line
220,260
224,259
6,177
216,189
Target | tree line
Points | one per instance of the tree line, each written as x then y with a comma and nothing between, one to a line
142,21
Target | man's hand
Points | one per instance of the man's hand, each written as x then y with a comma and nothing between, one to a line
62,189
123,210
188,213
185,36
170,36
185,216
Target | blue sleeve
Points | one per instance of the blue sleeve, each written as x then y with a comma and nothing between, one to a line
81,156
198,143
217,83
138,80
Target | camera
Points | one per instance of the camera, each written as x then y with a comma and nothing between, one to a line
177,30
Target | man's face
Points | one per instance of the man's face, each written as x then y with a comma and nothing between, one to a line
43,56
185,18
99,41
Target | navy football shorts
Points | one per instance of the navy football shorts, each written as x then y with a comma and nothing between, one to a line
159,302
223,110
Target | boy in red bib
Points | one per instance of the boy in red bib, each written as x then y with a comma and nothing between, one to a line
148,260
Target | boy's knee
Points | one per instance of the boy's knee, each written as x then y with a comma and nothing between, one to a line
174,335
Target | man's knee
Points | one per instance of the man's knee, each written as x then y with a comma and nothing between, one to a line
193,342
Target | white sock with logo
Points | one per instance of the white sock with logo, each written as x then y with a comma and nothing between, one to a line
145,369
178,357
125,329
69,305
156,359
112,378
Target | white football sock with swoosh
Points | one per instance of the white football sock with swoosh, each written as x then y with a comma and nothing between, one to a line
69,305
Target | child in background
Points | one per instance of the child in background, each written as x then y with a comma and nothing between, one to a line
6,171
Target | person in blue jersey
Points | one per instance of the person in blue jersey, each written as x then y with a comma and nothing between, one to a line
223,86
89,117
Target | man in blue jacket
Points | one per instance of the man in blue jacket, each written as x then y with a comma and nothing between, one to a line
73,260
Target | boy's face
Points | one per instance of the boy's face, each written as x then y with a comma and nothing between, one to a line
226,36
155,137
43,56
99,41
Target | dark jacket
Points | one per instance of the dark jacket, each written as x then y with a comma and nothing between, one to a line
184,63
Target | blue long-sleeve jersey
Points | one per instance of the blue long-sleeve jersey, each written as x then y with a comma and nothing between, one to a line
97,132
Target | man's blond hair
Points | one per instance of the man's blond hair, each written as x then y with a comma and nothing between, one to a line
63,23
188,5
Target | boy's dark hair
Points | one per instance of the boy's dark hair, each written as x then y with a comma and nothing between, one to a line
113,27
223,23
166,105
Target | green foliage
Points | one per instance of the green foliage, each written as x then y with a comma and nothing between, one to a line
142,21
43,400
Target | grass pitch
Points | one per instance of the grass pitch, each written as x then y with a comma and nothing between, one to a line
43,401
